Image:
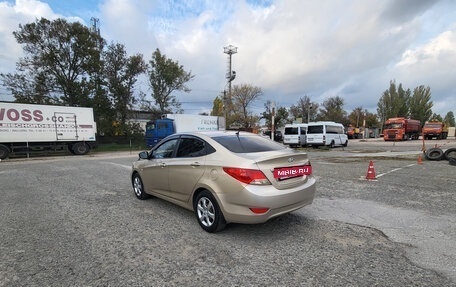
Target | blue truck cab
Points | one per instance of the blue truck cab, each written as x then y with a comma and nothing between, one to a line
157,130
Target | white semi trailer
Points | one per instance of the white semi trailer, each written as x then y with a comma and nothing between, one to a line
27,128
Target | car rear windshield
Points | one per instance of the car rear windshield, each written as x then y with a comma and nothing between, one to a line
247,144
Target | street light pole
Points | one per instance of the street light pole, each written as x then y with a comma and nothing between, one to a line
230,75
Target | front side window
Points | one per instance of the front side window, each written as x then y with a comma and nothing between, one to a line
150,126
165,150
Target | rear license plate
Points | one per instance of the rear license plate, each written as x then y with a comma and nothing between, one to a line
293,171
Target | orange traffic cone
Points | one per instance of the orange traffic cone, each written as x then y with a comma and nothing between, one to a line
371,171
420,159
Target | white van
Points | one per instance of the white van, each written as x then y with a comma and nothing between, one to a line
295,135
326,134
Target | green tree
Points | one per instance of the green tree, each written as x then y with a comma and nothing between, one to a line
436,117
449,119
394,102
165,77
356,117
104,114
332,110
121,74
371,120
421,104
217,107
60,58
242,96
304,109
280,115
31,89
359,117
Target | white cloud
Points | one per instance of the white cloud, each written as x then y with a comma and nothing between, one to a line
11,16
127,22
432,64
289,48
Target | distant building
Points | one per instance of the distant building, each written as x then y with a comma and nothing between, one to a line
140,117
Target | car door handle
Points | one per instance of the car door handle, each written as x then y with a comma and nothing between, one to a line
195,164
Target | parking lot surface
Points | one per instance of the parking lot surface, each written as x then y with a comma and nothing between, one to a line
74,221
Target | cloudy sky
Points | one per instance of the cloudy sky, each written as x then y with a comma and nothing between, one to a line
289,48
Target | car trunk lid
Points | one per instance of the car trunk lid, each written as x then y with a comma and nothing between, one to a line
287,170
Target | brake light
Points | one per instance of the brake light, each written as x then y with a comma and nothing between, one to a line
248,176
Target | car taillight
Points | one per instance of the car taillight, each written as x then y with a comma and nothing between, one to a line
248,176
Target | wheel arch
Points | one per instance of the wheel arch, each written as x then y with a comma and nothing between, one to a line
133,173
200,189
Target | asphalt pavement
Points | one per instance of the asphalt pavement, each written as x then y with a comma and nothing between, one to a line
74,221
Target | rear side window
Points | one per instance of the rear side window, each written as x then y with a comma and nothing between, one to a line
247,144
315,129
334,130
192,147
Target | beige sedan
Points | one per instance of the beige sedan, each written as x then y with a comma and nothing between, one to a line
225,177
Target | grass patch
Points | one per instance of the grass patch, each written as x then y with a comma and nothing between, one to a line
119,147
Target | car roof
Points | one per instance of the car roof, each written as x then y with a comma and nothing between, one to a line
212,134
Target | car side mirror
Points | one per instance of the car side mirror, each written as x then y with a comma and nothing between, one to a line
144,155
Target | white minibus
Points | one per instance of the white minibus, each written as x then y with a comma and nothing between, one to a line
326,134
295,135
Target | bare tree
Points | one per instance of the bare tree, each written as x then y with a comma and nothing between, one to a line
242,96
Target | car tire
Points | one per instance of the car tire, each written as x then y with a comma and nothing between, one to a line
345,144
450,153
434,154
208,212
138,187
332,144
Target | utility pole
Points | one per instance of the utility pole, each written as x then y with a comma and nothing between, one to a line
272,121
308,112
230,75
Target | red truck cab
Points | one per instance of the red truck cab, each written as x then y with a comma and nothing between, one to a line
435,129
398,129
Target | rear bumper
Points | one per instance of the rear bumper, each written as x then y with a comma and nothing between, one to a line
236,206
